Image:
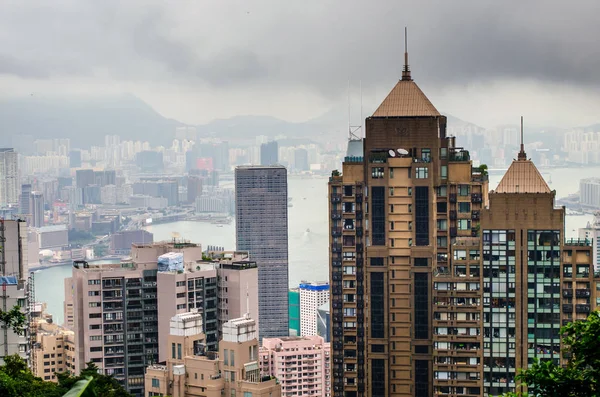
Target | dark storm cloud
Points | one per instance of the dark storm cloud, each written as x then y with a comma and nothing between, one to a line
314,45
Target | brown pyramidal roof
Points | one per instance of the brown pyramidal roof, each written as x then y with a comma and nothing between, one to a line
522,177
405,100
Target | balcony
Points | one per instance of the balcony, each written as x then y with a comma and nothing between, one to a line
567,308
567,293
582,308
579,242
475,215
476,198
452,197
336,231
453,232
336,198
458,155
336,247
453,215
336,215
582,293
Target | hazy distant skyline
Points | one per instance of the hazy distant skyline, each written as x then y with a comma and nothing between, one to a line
485,62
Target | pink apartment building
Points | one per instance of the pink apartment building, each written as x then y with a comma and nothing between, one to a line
300,363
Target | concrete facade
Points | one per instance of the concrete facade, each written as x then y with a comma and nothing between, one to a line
302,364
192,370
312,296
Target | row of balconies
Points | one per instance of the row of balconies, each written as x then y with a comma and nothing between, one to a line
578,308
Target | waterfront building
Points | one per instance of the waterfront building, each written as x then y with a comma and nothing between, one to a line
592,232
300,363
24,199
192,370
37,209
9,177
121,242
312,296
269,153
589,193
294,311
262,230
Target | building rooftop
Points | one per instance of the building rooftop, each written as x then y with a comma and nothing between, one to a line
406,100
257,167
522,177
54,228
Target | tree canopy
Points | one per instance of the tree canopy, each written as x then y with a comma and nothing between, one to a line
580,376
16,380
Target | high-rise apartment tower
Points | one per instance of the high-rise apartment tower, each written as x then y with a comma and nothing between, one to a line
9,176
405,193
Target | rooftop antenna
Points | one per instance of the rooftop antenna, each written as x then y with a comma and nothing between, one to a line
406,69
522,154
354,131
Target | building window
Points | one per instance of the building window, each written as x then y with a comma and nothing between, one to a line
179,351
422,215
464,190
377,305
391,191
426,155
93,293
378,215
377,172
422,173
444,171
442,225
247,394
155,383
225,357
173,350
464,224
232,358
443,153
464,207
391,173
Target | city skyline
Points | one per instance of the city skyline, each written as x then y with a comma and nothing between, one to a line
481,60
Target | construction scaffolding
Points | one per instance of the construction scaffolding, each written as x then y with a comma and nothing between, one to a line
3,268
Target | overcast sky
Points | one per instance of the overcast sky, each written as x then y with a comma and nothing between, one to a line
483,61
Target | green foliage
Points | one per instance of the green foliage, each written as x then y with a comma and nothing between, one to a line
483,168
14,319
81,389
581,375
16,380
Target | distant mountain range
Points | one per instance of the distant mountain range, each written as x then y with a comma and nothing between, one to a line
87,121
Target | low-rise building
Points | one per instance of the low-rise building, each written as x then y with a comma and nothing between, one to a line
301,363
192,370
53,351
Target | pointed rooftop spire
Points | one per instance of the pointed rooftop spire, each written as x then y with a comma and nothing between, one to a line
522,154
406,69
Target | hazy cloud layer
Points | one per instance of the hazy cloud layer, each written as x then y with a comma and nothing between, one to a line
225,52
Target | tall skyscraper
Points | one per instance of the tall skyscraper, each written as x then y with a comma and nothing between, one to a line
24,205
269,153
437,287
84,178
37,209
9,177
262,230
406,192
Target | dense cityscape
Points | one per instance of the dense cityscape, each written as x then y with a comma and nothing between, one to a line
408,254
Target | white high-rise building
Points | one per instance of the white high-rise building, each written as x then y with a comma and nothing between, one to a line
592,232
312,296
9,177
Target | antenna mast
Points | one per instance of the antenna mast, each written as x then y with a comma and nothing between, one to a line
522,154
354,131
406,69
